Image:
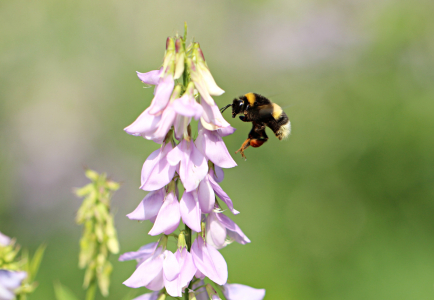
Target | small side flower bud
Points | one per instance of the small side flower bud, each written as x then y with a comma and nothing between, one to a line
191,296
179,58
181,240
169,57
212,293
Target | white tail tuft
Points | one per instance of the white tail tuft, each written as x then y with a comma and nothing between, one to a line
284,131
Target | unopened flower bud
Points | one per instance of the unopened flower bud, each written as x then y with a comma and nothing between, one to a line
162,297
191,296
181,240
163,241
179,58
212,293
202,67
92,175
169,57
176,93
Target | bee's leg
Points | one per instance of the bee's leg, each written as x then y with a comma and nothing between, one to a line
244,147
244,119
246,109
257,142
259,129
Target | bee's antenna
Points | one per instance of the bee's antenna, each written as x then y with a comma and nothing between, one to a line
224,108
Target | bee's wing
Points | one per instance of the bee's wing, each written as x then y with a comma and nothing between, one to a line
265,112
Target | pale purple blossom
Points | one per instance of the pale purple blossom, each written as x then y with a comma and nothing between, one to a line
190,210
4,240
236,291
221,193
162,269
187,104
221,231
200,293
148,296
140,255
9,281
151,77
168,216
208,189
193,166
149,207
212,118
156,171
187,270
209,261
198,164
211,144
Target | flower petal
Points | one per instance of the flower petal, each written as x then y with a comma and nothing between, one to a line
172,287
157,283
4,240
11,279
171,267
145,273
220,265
222,195
215,231
180,126
190,210
167,120
225,131
234,231
209,261
213,147
218,175
148,296
144,124
212,118
175,155
206,196
188,269
149,206
199,274
210,83
187,106
151,77
193,168
156,171
236,291
143,253
199,81
162,94
168,217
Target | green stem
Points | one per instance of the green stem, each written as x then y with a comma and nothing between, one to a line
188,237
91,291
188,242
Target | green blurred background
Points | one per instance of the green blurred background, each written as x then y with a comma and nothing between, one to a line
341,210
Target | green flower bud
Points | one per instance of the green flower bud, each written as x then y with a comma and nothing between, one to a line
162,297
92,175
181,240
191,296
99,234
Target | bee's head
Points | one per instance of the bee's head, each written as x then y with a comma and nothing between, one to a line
237,107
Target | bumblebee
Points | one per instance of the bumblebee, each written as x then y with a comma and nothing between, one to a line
261,112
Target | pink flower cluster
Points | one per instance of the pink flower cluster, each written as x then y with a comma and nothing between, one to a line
198,165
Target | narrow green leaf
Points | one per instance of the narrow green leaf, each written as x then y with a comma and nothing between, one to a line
63,293
36,260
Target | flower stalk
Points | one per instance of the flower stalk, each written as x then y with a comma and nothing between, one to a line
183,94
99,238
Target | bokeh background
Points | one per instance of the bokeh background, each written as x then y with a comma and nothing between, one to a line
343,209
